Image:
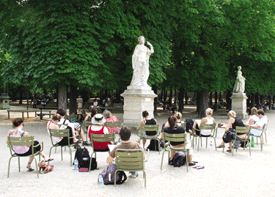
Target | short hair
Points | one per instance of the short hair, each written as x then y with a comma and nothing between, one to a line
254,111
17,122
56,117
61,112
107,114
232,113
178,115
93,111
209,111
260,111
125,133
145,114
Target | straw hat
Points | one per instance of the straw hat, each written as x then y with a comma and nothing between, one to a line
98,119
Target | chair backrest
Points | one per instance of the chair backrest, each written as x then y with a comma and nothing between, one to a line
242,130
129,159
102,137
154,127
59,132
86,123
175,137
20,141
113,124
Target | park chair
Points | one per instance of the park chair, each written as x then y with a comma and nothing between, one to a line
142,133
61,133
177,137
246,139
261,137
130,160
213,134
85,125
113,124
264,131
23,141
100,138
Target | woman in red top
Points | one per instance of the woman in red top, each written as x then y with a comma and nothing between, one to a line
98,128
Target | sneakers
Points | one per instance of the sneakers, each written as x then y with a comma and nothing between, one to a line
85,143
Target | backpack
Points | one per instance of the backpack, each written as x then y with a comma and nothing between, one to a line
83,157
189,124
108,175
228,136
154,145
179,159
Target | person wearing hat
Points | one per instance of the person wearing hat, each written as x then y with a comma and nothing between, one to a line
98,127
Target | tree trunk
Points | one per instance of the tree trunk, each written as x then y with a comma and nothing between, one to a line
228,100
216,101
197,101
181,95
211,97
170,97
186,99
257,99
269,102
73,96
62,96
252,100
161,96
165,97
20,95
203,103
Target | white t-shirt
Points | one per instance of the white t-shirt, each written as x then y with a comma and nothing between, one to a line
253,117
261,122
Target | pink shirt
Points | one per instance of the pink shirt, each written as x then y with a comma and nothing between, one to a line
112,129
18,149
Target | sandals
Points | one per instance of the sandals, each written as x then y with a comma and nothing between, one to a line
229,150
192,164
30,169
220,146
50,159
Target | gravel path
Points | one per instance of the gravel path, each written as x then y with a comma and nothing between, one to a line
224,175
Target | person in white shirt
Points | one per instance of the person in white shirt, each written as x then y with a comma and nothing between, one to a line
258,127
207,120
253,118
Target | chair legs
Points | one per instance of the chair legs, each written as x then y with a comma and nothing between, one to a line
144,177
19,163
9,167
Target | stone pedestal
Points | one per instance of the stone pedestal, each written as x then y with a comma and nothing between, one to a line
135,102
239,104
4,101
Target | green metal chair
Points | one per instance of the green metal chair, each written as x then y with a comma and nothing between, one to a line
178,137
142,133
23,141
61,133
246,139
130,160
261,137
213,135
100,138
85,125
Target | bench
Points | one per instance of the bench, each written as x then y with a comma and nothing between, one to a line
41,114
22,111
44,114
103,108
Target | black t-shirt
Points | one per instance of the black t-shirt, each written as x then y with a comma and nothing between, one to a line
177,129
150,122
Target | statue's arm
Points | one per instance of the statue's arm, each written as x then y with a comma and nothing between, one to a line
151,47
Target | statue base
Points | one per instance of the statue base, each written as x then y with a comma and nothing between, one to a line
135,102
239,105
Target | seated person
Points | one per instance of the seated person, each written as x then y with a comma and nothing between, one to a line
178,116
232,124
125,135
207,120
253,118
109,118
93,113
258,127
98,128
147,121
174,128
24,150
53,124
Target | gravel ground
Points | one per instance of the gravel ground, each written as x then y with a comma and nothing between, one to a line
224,175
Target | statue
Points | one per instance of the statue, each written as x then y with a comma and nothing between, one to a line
140,64
240,82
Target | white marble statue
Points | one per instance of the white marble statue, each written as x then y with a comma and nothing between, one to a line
240,82
140,64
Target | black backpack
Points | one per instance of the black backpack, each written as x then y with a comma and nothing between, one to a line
83,157
154,145
179,159
189,124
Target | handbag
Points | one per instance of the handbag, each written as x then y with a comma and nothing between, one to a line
228,136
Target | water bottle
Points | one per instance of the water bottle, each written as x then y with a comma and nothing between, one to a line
75,164
100,181
252,142
211,144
